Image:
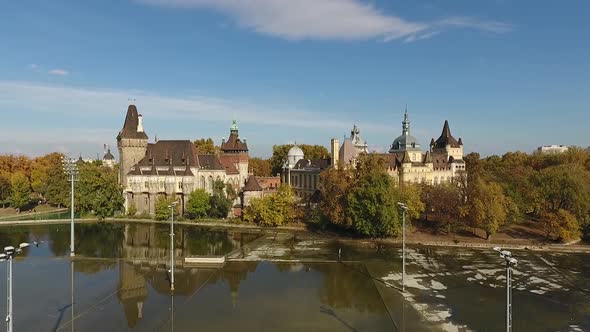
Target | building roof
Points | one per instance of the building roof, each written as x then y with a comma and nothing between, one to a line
446,138
173,152
210,161
321,163
228,161
252,184
108,155
295,151
405,141
131,125
234,143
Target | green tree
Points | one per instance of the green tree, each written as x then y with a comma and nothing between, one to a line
98,191
162,210
21,190
57,189
198,204
272,210
372,205
206,146
260,167
219,203
5,189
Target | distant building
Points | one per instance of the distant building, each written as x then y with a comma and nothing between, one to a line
303,175
408,164
108,159
351,147
258,187
173,168
552,149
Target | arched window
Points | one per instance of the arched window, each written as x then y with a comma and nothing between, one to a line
210,183
202,186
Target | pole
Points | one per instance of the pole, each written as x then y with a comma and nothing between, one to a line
172,248
72,290
403,250
72,254
9,316
508,298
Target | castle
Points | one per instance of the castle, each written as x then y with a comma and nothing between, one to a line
441,163
173,168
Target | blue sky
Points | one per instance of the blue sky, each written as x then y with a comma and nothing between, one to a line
508,75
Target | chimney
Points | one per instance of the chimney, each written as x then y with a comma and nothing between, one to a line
105,149
139,124
335,144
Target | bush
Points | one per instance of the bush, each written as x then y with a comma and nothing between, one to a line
131,210
162,210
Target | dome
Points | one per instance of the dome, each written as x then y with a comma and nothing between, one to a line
405,142
295,151
294,155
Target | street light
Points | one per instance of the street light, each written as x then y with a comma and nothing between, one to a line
8,255
71,170
510,262
171,207
404,209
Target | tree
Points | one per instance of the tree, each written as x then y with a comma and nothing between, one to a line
335,184
41,168
260,167
98,191
162,210
206,146
444,203
272,210
21,190
5,189
279,154
561,225
488,206
219,203
57,189
372,205
198,204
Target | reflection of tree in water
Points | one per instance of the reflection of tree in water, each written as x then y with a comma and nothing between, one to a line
348,286
92,240
13,236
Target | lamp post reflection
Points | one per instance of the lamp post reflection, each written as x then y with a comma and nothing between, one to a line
72,291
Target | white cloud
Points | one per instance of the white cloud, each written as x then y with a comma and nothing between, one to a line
326,19
33,66
59,72
67,100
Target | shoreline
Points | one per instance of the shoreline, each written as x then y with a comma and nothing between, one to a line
563,248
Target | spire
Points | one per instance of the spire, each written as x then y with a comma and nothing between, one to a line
446,132
132,128
406,123
234,126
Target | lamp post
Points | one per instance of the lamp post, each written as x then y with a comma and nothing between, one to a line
510,262
404,209
171,207
71,169
9,253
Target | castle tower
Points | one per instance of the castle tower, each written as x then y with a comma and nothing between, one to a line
132,142
235,150
447,144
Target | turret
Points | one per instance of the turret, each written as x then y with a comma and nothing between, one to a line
132,142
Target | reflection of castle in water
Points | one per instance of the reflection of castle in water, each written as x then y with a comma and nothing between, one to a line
147,256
